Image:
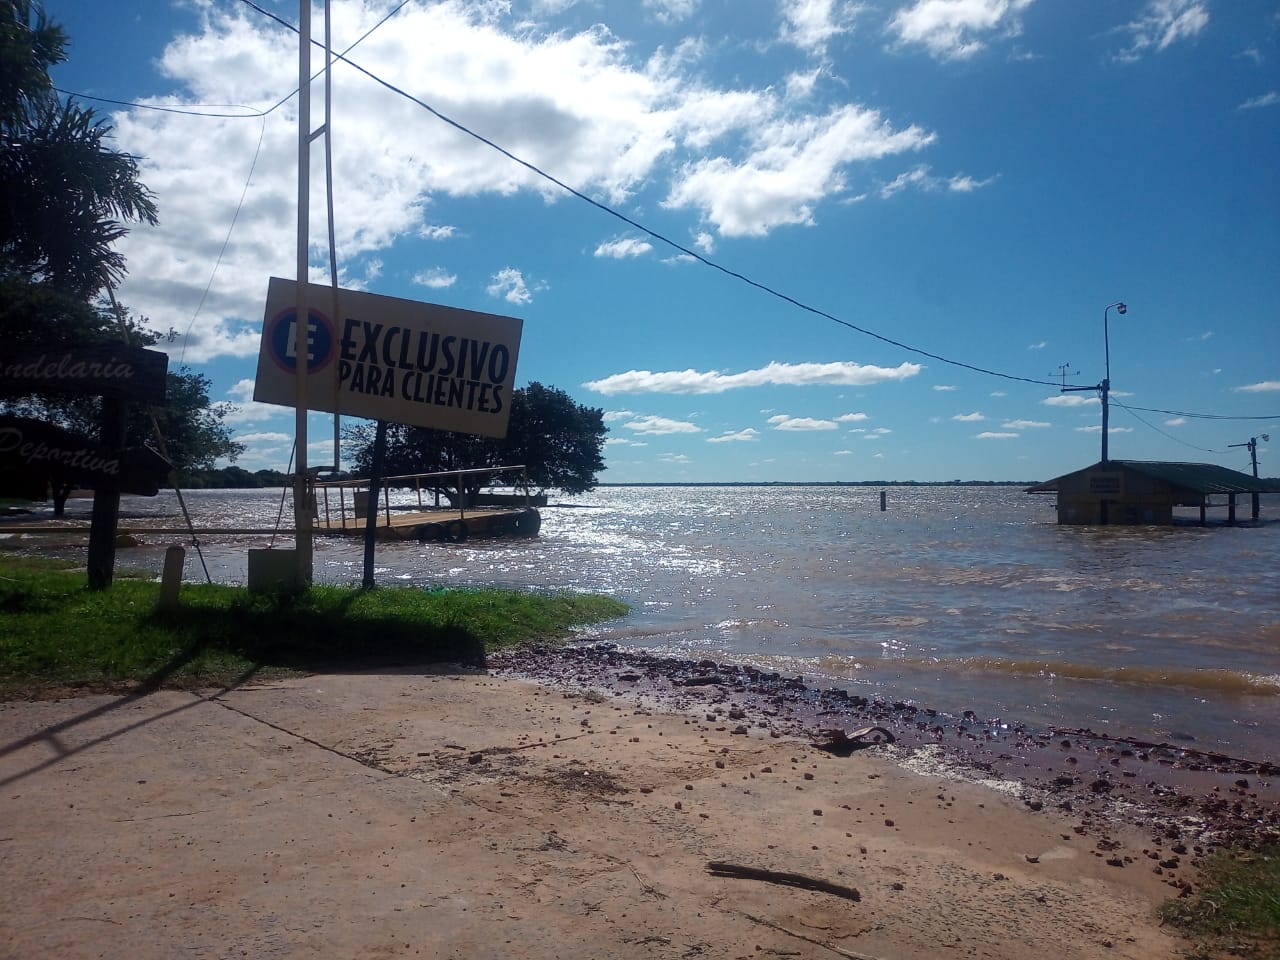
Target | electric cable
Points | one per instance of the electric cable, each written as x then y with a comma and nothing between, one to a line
605,208
1163,433
662,238
186,337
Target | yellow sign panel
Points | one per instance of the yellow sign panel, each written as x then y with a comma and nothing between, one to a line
384,358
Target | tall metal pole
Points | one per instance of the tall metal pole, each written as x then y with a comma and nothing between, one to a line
302,318
1106,380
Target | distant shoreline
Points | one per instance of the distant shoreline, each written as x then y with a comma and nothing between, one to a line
826,483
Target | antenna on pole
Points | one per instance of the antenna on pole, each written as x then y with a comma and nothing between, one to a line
1064,371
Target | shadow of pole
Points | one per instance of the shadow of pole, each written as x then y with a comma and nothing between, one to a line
50,735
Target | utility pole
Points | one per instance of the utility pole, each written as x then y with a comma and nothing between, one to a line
1253,456
1104,388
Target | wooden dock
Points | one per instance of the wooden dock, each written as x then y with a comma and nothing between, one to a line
427,526
443,525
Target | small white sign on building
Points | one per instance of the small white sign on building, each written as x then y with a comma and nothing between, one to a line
384,358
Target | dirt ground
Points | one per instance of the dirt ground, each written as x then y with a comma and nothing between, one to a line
464,815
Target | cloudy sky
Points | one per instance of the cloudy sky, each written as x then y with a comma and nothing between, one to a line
802,240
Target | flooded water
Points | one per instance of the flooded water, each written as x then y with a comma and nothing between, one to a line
959,598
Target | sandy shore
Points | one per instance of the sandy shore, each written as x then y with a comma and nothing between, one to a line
473,815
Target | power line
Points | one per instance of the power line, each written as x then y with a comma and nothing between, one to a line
200,109
662,238
1163,433
605,208
184,111
1203,416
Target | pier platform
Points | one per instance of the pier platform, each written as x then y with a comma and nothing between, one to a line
442,525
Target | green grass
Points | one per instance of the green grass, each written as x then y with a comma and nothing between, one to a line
1237,910
55,633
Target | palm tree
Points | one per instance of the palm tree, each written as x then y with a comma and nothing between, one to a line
67,196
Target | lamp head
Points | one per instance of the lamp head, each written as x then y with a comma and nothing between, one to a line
1121,308
1265,438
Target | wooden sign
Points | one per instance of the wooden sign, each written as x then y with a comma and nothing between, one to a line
34,454
108,370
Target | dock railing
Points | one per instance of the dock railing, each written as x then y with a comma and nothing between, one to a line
335,512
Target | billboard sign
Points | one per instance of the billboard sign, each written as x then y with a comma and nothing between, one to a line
384,358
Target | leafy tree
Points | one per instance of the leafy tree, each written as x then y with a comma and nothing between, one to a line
66,194
67,197
559,441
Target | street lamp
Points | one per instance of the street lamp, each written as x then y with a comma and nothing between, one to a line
1104,388
1106,381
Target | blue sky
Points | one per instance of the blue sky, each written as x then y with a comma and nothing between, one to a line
936,186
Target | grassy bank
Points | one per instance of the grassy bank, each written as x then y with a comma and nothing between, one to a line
54,633
1237,910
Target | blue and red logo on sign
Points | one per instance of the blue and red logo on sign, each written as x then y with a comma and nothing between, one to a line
282,341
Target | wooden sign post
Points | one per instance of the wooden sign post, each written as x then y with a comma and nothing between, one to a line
35,454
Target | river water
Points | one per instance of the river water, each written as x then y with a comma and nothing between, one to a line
959,598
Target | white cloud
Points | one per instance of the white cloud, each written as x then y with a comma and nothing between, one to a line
436,232
1038,346
956,29
1269,99
810,24
748,434
1175,421
842,453
587,105
1163,23
713,381
919,177
247,410
624,247
611,415
945,388
793,164
781,422
509,284
962,183
1070,400
802,85
671,11
922,178
264,437
1265,386
436,278
992,435
999,393
673,458
852,418
1097,428
661,425
974,417
1025,424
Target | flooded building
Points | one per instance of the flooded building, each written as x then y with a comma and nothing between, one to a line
1146,492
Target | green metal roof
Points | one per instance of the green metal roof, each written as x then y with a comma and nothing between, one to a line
1193,477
